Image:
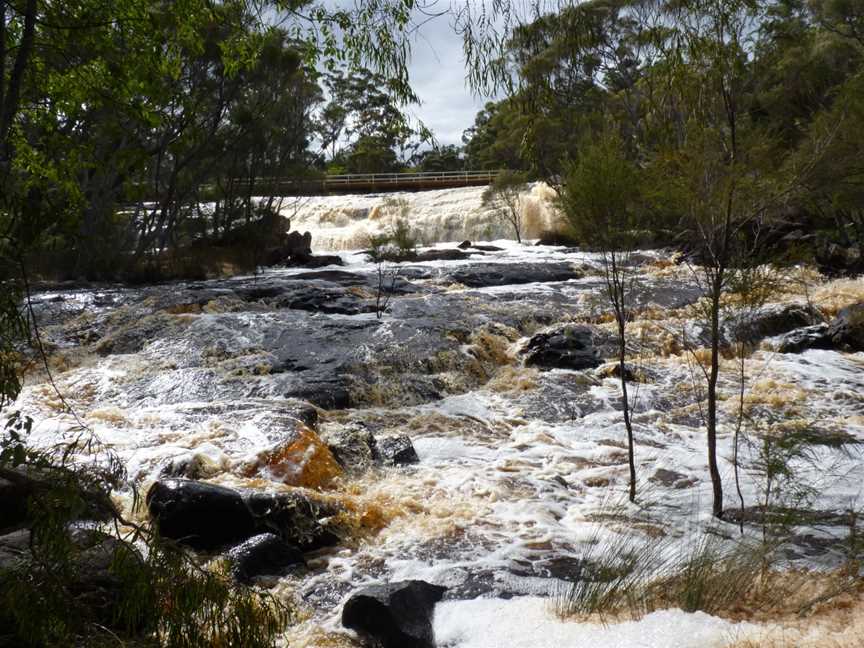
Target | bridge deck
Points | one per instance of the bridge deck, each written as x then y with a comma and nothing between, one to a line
375,182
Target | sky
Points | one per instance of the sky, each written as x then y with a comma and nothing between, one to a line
437,72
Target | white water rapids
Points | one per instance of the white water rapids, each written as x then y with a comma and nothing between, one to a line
519,468
346,222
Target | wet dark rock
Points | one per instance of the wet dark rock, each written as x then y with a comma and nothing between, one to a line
770,320
395,615
328,396
13,501
200,515
353,447
441,255
487,248
396,451
557,239
133,337
334,276
502,274
847,329
319,261
294,518
207,517
293,247
323,299
464,245
672,479
263,555
568,347
808,337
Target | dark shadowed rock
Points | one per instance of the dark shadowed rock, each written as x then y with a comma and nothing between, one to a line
502,274
294,518
263,555
319,261
207,517
847,329
464,245
200,515
441,255
770,320
395,615
23,486
396,451
808,337
13,502
567,347
557,239
328,396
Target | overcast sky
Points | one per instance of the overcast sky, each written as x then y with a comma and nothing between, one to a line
438,77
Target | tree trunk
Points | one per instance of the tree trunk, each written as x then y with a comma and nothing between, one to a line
716,290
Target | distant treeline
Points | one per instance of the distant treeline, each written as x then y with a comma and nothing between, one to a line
771,92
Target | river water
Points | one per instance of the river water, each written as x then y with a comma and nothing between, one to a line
520,468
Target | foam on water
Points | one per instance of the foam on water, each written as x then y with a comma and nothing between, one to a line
346,222
527,622
506,493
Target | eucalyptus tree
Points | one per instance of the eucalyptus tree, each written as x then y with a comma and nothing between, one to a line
600,198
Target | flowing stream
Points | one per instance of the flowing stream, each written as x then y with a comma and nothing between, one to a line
519,466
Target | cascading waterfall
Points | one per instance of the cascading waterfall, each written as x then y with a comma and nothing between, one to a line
345,222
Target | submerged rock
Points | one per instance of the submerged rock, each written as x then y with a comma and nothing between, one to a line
395,615
568,347
263,555
396,451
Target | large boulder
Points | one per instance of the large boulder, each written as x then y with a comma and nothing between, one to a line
394,615
208,517
847,329
769,321
808,337
200,515
263,555
567,347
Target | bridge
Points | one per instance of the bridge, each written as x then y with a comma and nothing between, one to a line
373,182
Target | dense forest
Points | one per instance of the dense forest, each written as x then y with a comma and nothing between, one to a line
141,142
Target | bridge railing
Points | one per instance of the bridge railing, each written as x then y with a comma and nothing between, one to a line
423,176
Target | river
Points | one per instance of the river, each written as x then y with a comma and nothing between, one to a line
519,467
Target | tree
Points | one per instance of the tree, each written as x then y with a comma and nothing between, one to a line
599,197
505,196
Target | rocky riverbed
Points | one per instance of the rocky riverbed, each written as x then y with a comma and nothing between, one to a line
469,436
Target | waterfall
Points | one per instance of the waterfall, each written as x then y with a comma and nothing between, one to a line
345,222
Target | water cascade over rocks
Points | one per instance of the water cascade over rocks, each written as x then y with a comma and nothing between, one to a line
346,222
464,445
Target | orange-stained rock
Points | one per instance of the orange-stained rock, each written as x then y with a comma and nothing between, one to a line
304,460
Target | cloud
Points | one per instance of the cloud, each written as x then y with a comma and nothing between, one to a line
437,73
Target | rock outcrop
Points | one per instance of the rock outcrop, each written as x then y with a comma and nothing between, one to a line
566,347
394,615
